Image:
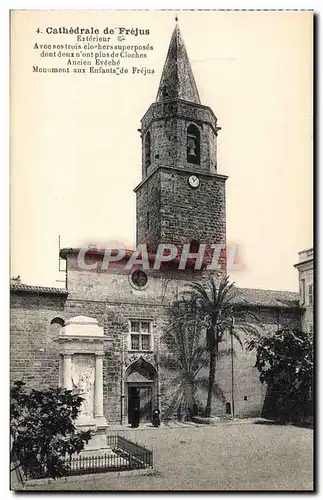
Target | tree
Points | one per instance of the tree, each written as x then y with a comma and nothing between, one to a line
285,363
219,311
42,429
184,358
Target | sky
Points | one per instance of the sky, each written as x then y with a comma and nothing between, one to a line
76,151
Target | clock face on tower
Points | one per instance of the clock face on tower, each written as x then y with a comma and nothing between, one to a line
194,181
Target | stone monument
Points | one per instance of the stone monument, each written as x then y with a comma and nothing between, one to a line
81,368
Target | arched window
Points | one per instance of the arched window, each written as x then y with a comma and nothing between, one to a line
193,145
147,150
228,408
194,246
55,325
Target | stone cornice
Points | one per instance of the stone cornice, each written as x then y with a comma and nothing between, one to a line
303,263
81,338
179,101
77,344
200,173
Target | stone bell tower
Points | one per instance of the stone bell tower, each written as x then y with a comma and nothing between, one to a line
181,198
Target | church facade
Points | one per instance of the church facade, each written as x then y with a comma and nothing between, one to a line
104,329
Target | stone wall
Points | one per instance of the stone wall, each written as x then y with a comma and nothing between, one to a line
148,201
168,209
167,123
179,214
113,301
305,267
188,213
307,317
249,393
33,352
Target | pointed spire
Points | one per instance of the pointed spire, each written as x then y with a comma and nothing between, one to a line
177,80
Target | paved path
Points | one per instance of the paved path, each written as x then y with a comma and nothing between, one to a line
230,456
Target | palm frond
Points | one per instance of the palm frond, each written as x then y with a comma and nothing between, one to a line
225,353
212,308
168,361
236,335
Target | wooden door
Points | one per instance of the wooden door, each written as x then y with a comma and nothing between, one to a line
145,403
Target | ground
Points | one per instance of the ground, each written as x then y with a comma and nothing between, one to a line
228,456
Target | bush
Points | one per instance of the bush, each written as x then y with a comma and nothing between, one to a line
285,362
42,429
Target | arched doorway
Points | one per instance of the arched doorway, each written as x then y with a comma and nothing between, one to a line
141,390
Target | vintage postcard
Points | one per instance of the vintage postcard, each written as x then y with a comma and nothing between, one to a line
162,286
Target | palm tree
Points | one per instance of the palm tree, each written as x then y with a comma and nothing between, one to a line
184,358
217,308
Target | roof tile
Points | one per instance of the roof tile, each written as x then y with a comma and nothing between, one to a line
38,289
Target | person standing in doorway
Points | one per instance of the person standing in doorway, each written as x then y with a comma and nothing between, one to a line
156,417
135,416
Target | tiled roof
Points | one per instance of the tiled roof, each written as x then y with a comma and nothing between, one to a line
37,289
267,298
249,296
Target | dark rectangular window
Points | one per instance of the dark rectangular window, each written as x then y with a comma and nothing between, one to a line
310,294
135,342
302,291
145,342
140,336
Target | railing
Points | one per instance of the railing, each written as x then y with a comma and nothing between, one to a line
125,455
138,453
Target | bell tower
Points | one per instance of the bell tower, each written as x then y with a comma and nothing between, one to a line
181,197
